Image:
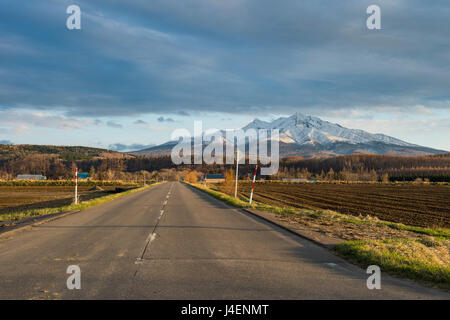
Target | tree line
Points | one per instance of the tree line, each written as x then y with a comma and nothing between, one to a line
350,168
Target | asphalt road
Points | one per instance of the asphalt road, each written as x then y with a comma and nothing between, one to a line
174,242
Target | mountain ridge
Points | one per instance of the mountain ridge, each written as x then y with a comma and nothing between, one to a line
307,129
308,136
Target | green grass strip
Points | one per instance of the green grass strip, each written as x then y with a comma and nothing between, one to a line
240,203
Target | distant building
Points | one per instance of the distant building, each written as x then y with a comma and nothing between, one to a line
214,178
83,175
299,180
31,177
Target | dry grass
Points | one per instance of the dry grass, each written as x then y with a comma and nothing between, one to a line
425,260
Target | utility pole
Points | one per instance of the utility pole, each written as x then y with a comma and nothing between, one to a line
76,185
253,185
237,169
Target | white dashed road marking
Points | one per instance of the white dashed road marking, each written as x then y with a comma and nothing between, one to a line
152,236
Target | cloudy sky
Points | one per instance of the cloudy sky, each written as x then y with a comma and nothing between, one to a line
138,69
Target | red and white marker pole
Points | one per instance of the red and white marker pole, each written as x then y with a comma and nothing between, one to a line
237,176
253,185
76,185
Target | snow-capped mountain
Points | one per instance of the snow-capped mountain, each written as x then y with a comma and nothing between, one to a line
304,130
308,136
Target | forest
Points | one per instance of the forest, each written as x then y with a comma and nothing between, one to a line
357,167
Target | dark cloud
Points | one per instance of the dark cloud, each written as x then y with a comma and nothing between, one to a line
139,122
6,142
128,147
254,56
113,124
162,119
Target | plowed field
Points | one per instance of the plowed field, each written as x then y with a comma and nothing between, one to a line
413,204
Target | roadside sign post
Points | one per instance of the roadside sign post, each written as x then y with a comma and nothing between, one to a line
237,169
253,185
76,185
